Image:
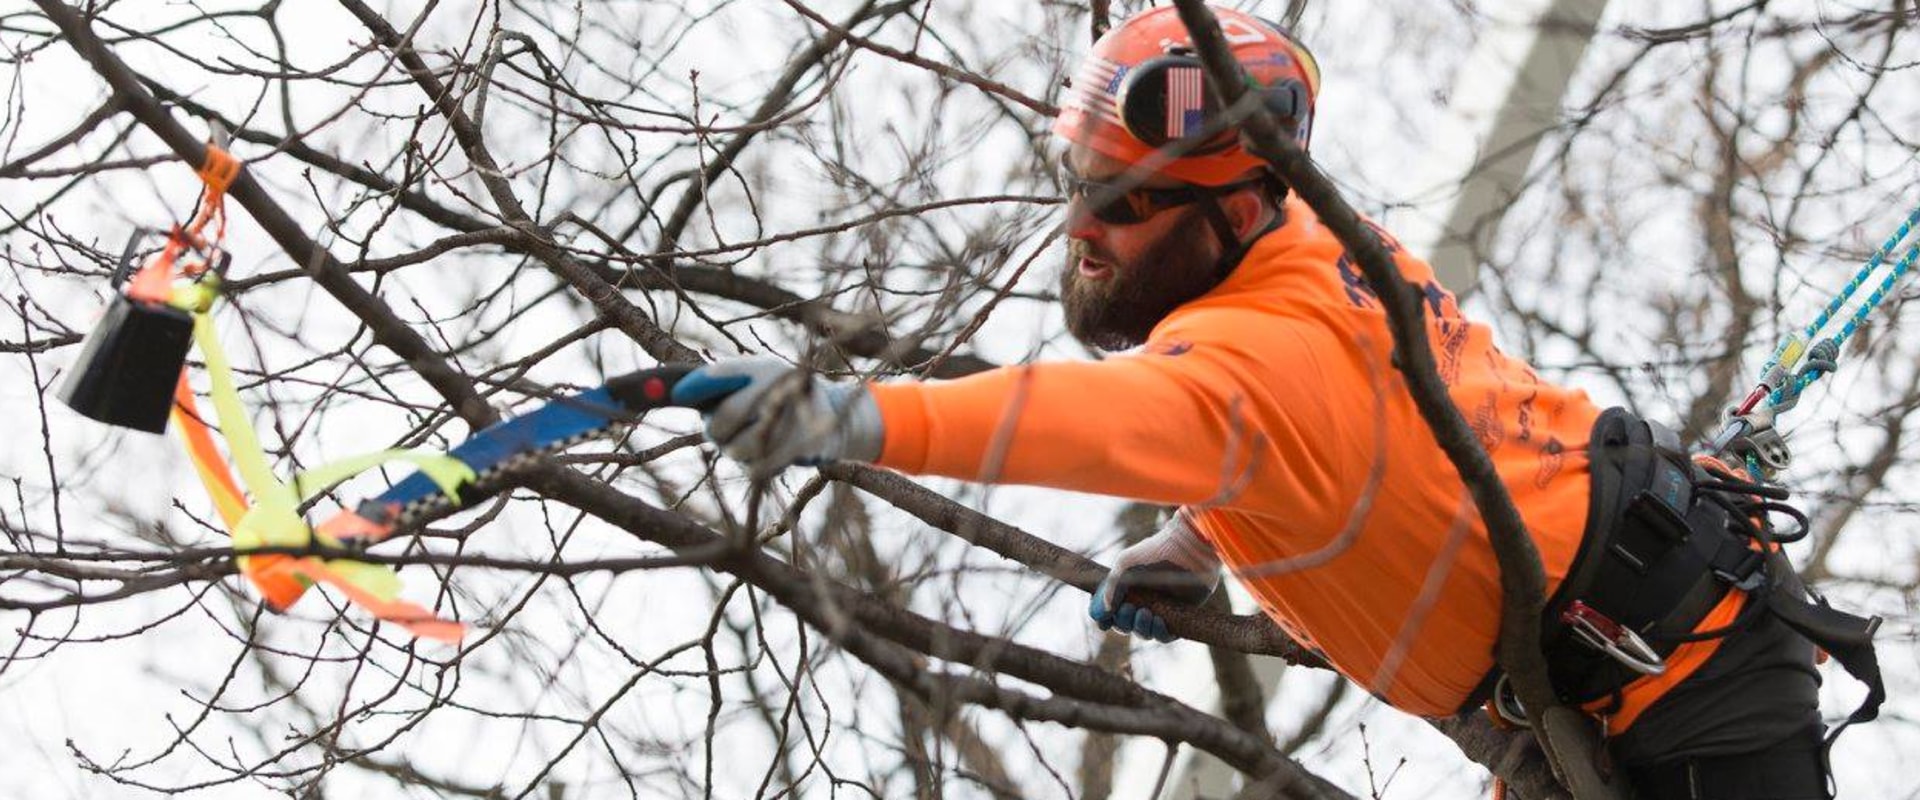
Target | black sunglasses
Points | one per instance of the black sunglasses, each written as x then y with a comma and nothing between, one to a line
1113,204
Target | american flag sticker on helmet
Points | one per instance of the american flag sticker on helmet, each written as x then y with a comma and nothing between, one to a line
1184,101
1094,88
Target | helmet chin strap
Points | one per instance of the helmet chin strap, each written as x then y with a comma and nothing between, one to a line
1232,250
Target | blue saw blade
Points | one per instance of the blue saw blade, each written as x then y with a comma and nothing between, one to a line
549,428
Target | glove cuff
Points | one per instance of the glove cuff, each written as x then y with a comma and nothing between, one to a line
862,433
1179,543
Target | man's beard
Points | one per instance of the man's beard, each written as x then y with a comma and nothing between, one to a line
1117,313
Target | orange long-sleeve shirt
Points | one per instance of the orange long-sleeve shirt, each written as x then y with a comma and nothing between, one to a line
1270,408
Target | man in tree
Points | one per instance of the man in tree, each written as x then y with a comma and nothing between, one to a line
1261,400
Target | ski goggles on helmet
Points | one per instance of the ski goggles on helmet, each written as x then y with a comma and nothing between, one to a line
1164,102
1115,204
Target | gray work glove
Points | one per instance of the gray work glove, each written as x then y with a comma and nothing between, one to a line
775,415
1173,563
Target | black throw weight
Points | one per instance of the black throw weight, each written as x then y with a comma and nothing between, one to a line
129,365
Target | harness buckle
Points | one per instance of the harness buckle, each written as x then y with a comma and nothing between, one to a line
1619,642
1754,578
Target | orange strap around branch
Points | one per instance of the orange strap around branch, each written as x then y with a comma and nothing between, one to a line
219,172
153,283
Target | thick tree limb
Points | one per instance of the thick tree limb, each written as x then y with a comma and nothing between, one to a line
1569,743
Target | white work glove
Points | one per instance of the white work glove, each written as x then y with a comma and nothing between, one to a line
771,415
1173,563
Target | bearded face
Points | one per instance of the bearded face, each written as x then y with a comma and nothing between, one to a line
1112,301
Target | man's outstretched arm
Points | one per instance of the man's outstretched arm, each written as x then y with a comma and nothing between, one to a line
1190,420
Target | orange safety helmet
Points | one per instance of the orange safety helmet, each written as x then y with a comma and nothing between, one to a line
1142,87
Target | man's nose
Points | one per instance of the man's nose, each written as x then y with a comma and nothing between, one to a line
1081,223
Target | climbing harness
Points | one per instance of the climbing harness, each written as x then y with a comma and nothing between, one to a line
1749,435
1668,537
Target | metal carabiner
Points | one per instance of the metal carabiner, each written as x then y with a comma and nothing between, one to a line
1505,704
1618,641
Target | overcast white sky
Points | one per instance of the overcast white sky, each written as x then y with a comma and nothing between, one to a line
1389,69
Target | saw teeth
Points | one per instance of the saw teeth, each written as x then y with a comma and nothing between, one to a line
412,511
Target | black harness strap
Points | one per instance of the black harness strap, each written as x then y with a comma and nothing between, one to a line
1847,637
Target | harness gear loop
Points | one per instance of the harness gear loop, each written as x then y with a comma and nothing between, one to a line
1669,538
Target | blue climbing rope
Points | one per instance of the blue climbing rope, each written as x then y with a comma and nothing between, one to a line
1800,360
1806,377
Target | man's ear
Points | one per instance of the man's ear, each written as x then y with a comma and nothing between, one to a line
1247,209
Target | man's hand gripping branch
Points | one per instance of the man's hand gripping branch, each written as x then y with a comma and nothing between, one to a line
1173,563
